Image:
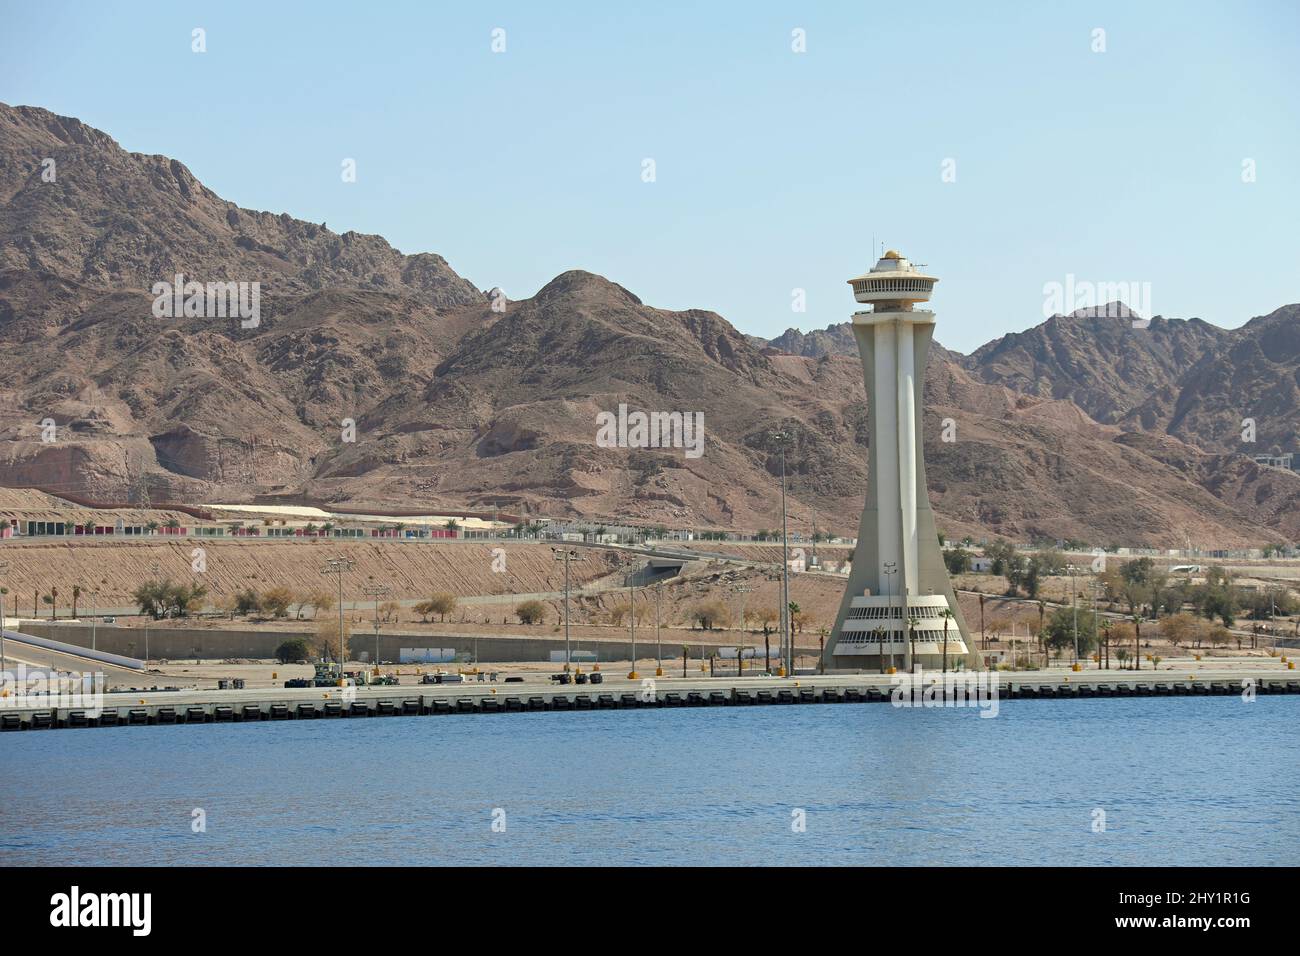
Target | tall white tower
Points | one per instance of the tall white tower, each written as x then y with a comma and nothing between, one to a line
898,574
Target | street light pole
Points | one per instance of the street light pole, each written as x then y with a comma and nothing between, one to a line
337,565
815,536
743,591
566,555
631,613
659,647
376,591
891,569
909,636
1074,603
1096,631
785,573
782,438
4,666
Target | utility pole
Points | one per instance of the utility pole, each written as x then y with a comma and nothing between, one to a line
338,565
376,591
566,555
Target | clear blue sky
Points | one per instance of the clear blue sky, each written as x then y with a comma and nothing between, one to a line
774,169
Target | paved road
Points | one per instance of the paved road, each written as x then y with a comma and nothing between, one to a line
16,651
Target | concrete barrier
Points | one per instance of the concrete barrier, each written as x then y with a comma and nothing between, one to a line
274,704
193,643
78,649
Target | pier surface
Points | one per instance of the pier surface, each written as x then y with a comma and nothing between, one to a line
481,697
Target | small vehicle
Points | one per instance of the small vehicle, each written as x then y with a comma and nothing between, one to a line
324,677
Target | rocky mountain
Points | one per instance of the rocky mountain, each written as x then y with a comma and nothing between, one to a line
1102,363
833,340
1185,378
76,205
1251,374
374,378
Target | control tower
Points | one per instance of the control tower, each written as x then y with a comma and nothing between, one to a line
898,575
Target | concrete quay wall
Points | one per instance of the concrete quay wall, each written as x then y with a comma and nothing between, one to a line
216,706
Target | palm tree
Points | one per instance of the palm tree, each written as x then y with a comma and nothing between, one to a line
913,623
946,614
686,649
76,593
1105,642
1137,642
879,632
983,634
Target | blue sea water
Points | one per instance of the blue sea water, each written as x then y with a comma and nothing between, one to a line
1181,781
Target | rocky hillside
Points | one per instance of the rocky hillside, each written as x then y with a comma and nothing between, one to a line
833,340
377,378
1101,363
1249,373
117,220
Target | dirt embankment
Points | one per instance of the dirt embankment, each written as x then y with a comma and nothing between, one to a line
114,569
